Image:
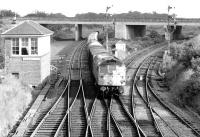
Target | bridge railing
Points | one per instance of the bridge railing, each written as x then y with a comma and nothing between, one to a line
72,19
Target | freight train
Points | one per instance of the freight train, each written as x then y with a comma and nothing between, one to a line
108,71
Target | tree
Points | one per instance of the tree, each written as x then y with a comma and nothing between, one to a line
8,13
44,14
57,15
91,15
154,12
37,14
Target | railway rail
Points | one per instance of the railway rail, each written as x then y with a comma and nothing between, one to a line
125,120
122,107
50,123
76,115
98,118
143,111
127,101
112,124
187,125
101,122
167,122
134,56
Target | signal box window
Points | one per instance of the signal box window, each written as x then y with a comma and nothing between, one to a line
34,46
15,46
24,48
103,69
111,68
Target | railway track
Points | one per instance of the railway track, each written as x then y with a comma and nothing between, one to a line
143,111
175,118
50,124
127,100
82,113
122,108
134,56
112,124
125,121
98,118
45,106
76,115
102,122
167,123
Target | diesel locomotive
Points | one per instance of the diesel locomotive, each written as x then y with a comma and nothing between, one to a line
109,72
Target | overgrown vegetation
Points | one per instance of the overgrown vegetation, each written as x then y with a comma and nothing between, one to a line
14,99
142,42
183,73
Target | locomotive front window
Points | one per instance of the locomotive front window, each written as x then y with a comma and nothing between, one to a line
111,68
107,69
103,69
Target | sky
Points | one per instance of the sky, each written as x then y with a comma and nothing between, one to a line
183,8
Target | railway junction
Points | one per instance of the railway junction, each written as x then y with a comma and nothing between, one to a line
69,104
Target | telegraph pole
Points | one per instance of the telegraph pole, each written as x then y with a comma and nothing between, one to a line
107,8
170,30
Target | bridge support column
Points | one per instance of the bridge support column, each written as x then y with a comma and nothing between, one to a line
177,33
78,32
120,31
124,31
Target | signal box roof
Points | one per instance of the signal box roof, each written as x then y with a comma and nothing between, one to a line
28,27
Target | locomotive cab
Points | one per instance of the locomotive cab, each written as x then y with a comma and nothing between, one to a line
108,71
111,75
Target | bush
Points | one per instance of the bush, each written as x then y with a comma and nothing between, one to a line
185,91
191,89
186,54
14,99
183,53
196,64
155,37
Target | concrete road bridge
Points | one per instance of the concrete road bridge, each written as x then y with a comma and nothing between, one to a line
124,28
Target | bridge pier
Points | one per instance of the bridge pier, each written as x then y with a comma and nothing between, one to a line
124,31
177,33
78,32
120,30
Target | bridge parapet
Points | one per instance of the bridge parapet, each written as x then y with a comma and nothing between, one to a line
109,20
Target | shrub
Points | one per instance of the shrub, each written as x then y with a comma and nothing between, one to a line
196,64
186,54
183,53
155,37
14,99
191,89
185,91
